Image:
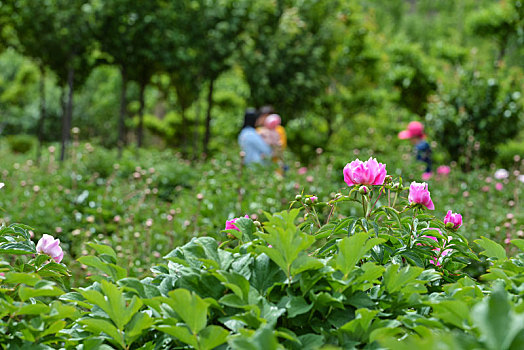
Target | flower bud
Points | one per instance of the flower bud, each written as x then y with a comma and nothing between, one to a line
308,201
363,190
257,223
388,179
298,197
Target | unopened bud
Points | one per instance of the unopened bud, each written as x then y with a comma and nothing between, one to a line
257,223
308,201
363,190
388,179
306,216
298,197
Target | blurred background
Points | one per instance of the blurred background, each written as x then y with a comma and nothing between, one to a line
144,100
342,74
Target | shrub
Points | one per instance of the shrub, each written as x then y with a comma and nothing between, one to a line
20,143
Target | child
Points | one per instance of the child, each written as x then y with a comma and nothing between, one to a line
270,134
415,133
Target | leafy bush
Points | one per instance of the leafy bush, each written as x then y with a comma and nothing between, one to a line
472,118
21,143
392,276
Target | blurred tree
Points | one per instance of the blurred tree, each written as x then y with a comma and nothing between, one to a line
502,21
471,118
56,34
412,73
131,33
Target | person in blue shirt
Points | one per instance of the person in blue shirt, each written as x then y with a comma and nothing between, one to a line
415,133
254,148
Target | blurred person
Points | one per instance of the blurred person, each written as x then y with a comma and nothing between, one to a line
415,133
255,149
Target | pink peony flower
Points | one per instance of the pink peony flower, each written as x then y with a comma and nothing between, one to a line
313,198
427,176
418,193
453,220
369,172
499,186
50,246
230,224
302,170
443,170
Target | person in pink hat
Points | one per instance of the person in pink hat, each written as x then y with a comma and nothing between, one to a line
415,133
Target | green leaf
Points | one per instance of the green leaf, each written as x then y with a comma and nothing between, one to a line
116,272
53,328
497,323
395,278
143,290
305,262
211,337
295,305
236,282
103,249
191,309
140,322
98,326
286,240
33,309
352,249
519,243
42,288
181,333
29,279
18,248
492,249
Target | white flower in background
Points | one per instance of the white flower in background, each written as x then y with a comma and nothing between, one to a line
521,178
501,174
2,184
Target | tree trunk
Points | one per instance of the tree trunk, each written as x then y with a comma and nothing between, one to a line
140,130
68,115
41,119
185,132
207,134
122,116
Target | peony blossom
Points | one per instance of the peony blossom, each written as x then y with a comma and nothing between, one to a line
230,224
418,193
302,170
453,220
499,186
501,174
443,170
313,198
427,176
50,246
369,172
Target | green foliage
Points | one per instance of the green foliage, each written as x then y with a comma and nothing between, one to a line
21,143
470,119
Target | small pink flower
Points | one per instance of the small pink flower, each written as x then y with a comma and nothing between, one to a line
443,170
230,224
426,176
309,178
117,218
313,199
369,172
302,170
507,241
499,186
453,219
485,188
418,193
50,246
